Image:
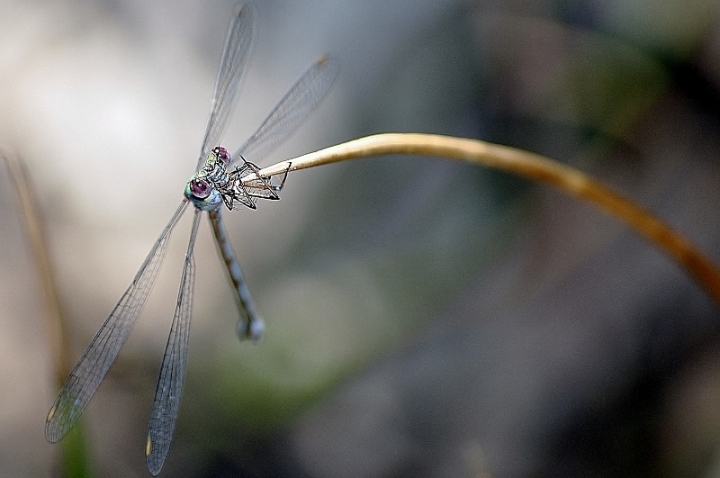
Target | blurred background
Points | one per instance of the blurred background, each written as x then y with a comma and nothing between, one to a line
425,318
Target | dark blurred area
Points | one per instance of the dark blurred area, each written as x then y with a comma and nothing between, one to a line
426,318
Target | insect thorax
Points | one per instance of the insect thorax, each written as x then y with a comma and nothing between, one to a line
213,184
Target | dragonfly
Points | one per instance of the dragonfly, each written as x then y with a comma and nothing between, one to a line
217,181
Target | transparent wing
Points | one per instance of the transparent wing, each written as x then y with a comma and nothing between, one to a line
172,373
236,52
92,367
292,109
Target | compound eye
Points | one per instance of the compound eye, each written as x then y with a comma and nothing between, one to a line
222,154
200,188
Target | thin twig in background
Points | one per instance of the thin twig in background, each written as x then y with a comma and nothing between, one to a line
75,459
35,232
533,166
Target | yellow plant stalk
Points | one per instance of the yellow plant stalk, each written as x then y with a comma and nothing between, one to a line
532,166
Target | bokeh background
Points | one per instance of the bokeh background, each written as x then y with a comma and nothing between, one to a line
425,318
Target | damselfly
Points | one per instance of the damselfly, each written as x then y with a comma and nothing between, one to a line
214,183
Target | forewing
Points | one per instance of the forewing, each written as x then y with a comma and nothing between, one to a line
292,109
92,367
172,373
236,53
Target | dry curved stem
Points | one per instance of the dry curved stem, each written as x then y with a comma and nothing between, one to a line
74,452
37,238
529,165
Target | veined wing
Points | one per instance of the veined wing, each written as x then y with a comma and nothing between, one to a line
92,367
292,109
236,52
172,373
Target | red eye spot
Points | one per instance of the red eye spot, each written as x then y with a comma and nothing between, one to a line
200,188
222,154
